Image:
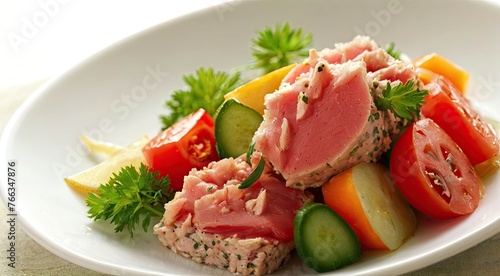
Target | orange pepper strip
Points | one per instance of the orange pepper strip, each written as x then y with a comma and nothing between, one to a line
442,66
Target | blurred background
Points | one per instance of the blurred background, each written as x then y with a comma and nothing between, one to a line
41,38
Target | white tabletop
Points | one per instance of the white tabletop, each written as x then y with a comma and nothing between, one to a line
42,38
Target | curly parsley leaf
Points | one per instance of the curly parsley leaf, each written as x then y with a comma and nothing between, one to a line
278,47
206,90
403,99
130,196
391,50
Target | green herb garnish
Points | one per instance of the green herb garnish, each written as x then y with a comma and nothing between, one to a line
278,47
254,176
130,196
391,50
304,98
250,152
404,100
206,90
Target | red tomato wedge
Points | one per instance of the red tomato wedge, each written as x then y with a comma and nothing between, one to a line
452,112
189,143
433,173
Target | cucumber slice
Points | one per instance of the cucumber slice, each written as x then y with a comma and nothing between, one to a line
235,125
324,241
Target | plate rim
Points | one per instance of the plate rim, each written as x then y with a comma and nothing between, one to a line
471,239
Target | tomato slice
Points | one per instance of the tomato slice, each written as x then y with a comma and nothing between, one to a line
452,112
433,173
187,144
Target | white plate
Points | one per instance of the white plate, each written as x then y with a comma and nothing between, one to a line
117,96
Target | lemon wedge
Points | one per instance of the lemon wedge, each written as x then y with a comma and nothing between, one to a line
491,165
99,146
90,179
488,167
252,93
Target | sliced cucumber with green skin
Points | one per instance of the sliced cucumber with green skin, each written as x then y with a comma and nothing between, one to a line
235,125
324,241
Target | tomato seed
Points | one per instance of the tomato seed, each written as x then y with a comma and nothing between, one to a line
438,184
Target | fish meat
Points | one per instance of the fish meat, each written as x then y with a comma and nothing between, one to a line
246,231
323,118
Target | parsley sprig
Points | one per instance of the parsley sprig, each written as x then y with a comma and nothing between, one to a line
391,50
206,90
403,99
130,196
278,47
